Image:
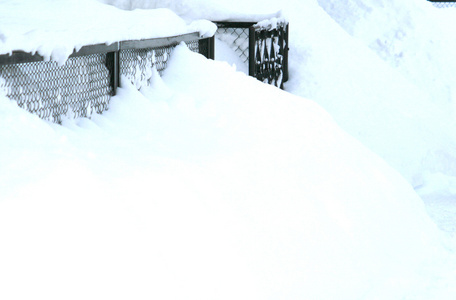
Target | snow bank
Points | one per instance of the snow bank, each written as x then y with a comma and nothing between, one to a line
221,10
398,118
54,29
402,110
208,185
212,185
412,36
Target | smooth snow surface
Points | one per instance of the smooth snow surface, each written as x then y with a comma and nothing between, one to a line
416,40
220,10
195,189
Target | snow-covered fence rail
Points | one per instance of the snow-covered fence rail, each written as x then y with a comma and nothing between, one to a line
85,83
443,4
263,46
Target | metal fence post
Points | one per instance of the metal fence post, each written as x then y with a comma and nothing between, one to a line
207,47
252,54
113,65
285,54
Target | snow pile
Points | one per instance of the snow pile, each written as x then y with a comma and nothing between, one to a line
211,185
412,36
401,110
199,189
54,29
221,10
400,119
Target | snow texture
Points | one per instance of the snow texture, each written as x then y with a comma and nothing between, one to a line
209,184
54,29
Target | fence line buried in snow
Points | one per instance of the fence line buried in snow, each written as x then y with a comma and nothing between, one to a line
86,82
89,78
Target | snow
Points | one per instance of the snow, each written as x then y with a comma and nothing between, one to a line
221,10
403,120
43,27
211,185
195,187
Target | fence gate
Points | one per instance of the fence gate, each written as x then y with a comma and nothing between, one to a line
263,46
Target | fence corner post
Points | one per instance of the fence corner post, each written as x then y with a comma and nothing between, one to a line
252,62
207,47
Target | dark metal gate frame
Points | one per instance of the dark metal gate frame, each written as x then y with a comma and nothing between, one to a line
274,67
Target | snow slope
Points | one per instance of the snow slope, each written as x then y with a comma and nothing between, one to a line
394,116
221,10
195,189
415,39
402,110
211,185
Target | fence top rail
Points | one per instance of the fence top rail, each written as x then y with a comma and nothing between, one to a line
159,42
18,57
235,24
265,24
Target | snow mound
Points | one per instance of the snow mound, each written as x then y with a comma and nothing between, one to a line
396,116
54,29
221,10
213,182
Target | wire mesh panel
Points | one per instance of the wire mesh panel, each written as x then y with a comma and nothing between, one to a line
137,64
77,89
237,39
194,46
85,83
262,46
444,4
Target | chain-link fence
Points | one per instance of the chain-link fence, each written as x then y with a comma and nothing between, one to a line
444,4
137,64
236,38
263,47
76,89
85,83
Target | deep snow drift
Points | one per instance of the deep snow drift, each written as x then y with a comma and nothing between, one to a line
221,10
196,189
383,70
402,109
416,40
211,185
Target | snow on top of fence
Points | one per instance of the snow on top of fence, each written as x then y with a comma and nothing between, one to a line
271,24
54,29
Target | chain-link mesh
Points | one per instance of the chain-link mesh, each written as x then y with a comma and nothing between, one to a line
194,46
77,89
268,62
444,4
137,64
237,39
83,85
